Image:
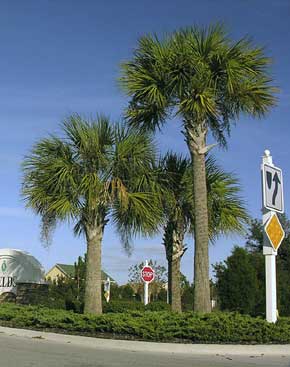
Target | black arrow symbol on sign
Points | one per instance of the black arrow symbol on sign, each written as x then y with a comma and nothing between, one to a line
269,179
275,192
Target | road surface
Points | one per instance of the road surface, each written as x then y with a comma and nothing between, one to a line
22,348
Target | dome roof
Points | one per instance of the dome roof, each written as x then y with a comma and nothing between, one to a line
17,266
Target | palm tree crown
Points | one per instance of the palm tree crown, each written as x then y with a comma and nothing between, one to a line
96,172
201,76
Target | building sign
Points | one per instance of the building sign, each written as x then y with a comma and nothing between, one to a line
18,266
7,278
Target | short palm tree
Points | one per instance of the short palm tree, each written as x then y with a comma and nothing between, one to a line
208,81
226,210
94,173
177,211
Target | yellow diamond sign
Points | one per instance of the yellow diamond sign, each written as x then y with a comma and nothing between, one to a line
274,232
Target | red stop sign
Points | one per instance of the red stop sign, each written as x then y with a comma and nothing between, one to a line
147,274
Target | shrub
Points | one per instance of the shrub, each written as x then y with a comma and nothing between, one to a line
117,306
157,306
191,327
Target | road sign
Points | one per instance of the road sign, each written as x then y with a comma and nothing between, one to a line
273,188
147,274
274,231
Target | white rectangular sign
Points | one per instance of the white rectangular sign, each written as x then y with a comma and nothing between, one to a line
273,188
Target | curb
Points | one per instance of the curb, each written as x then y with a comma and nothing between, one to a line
140,346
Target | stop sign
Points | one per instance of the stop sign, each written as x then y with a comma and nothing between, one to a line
147,274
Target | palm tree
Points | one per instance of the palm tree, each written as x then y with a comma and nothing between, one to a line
94,173
177,211
208,80
225,207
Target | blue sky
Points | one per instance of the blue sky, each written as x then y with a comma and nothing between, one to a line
59,57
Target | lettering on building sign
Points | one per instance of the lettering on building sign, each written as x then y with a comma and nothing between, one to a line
7,282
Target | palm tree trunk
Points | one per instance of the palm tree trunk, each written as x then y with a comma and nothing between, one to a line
197,146
93,287
169,283
175,285
201,256
168,244
173,242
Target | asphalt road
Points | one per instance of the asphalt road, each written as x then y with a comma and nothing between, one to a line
27,349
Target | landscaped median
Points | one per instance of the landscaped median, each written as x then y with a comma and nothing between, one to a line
188,327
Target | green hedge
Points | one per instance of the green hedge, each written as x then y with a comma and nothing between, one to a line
121,306
156,326
118,305
157,306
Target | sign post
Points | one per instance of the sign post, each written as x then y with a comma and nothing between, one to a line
272,184
146,293
147,275
107,289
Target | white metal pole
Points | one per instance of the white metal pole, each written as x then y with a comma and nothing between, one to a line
270,260
109,288
271,297
146,289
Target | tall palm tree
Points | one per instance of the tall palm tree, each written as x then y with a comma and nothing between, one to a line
208,81
94,173
226,210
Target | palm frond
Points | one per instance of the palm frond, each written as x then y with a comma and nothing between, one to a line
200,74
95,168
227,211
